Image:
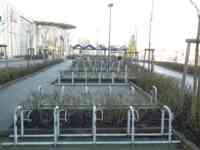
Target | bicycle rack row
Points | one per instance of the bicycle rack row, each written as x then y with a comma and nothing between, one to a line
98,78
131,135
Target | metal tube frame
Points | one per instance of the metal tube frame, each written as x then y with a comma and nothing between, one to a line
155,93
131,118
94,124
15,118
128,122
162,121
59,78
112,76
169,122
133,124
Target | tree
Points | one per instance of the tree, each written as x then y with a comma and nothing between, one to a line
132,46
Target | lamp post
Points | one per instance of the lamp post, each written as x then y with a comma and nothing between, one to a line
109,35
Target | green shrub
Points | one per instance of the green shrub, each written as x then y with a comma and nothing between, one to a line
168,88
9,74
169,93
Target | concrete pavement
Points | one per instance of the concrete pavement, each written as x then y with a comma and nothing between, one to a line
14,94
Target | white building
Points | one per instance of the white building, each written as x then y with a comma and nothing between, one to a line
15,30
20,33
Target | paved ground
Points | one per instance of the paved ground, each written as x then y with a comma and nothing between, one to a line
14,94
97,147
173,73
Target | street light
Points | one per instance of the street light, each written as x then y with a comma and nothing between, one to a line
109,48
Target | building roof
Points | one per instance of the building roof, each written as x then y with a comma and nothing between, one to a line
89,47
77,46
55,24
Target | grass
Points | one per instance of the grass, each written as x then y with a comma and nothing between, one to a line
9,74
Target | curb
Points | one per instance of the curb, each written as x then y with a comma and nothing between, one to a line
187,144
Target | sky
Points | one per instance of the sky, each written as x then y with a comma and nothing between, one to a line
173,20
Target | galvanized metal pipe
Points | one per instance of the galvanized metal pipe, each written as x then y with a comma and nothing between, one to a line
162,121
22,122
59,78
94,124
72,77
55,125
133,124
113,77
126,74
155,90
86,76
128,122
58,121
62,91
99,78
40,90
110,89
15,124
169,122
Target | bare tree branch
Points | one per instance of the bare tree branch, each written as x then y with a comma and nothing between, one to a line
195,6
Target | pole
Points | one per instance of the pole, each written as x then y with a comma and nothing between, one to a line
109,49
195,105
150,31
109,34
186,66
196,60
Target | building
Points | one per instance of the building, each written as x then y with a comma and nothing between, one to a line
20,33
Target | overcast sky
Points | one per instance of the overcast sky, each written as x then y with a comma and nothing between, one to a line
173,22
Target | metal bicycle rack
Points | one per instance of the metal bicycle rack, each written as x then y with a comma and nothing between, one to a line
100,127
130,136
71,78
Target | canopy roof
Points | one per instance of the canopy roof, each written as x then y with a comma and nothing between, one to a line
55,24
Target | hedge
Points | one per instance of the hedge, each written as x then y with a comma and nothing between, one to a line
9,74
